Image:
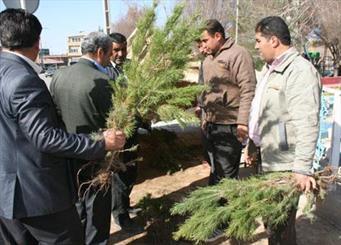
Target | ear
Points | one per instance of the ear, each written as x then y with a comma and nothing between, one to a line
100,52
275,42
36,45
34,50
218,36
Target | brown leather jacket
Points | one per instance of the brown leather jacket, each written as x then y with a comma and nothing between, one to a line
231,80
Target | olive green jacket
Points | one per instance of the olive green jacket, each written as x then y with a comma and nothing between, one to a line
290,104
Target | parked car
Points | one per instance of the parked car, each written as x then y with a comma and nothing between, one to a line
50,72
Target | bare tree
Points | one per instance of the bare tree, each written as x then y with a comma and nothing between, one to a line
127,23
212,9
329,21
250,12
302,17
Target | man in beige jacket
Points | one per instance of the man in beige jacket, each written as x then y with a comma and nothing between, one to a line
228,72
284,118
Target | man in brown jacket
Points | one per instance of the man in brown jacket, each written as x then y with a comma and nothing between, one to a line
229,73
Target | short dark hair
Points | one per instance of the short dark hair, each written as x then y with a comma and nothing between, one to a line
118,38
274,26
18,29
212,26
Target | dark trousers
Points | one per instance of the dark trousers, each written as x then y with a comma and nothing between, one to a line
59,228
284,234
94,211
123,183
222,150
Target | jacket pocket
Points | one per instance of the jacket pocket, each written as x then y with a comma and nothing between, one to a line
274,87
282,136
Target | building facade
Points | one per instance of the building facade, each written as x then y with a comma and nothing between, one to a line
74,51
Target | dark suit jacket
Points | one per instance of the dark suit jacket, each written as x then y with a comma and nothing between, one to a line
82,95
114,71
34,173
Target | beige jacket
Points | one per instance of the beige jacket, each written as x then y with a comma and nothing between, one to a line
231,81
291,100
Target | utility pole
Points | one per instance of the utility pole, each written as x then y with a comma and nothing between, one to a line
237,20
29,5
106,16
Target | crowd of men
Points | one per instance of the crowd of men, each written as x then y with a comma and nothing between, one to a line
45,134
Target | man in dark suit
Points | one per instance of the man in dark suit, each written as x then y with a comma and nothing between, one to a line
37,193
123,181
82,93
118,56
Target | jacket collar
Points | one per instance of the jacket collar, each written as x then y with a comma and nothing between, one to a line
113,64
32,64
95,64
290,55
228,43
87,61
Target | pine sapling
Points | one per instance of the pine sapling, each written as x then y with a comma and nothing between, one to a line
149,89
239,205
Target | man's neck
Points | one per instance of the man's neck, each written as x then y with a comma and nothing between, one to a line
91,57
281,50
221,44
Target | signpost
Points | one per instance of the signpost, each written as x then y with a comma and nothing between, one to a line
29,5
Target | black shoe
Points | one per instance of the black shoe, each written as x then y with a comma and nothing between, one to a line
216,235
128,225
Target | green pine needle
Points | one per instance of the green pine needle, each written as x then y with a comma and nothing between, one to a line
149,87
238,205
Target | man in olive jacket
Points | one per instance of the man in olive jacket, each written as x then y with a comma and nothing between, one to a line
229,73
82,94
37,195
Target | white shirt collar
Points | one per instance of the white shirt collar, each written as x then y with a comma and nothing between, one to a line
35,67
113,63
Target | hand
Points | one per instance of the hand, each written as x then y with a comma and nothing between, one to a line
304,182
197,111
250,154
114,140
250,158
205,163
242,132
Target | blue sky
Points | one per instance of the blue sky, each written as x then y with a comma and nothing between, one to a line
61,18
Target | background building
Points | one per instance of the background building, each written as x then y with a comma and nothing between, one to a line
74,51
